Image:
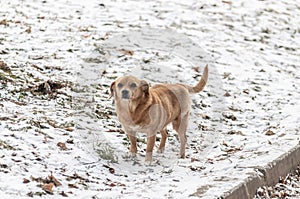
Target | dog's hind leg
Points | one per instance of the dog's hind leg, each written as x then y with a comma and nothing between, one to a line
180,125
164,135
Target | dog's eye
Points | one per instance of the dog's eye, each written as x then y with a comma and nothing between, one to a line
133,85
120,85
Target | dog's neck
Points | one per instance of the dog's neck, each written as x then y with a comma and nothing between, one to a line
130,107
138,104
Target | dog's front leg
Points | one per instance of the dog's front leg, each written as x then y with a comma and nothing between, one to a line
150,146
133,147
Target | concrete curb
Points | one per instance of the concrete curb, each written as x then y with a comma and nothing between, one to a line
271,173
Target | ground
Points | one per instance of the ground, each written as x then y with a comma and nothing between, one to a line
59,132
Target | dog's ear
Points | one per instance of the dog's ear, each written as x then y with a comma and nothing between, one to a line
112,89
145,87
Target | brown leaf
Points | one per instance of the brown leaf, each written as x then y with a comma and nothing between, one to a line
62,146
4,22
25,181
127,52
111,170
69,129
40,180
229,116
269,132
4,67
235,132
48,187
227,94
28,30
54,180
48,87
73,186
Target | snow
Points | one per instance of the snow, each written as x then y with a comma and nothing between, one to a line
251,47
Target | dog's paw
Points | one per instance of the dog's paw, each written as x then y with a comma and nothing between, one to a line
160,150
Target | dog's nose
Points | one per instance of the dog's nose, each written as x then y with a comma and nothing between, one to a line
125,94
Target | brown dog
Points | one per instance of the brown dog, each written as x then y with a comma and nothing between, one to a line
141,108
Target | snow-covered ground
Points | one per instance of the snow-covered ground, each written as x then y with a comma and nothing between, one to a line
58,126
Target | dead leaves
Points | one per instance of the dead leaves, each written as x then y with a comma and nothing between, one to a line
269,132
28,30
227,94
205,116
62,146
48,87
287,187
110,183
47,184
235,132
229,115
110,169
230,149
126,52
48,188
4,67
4,22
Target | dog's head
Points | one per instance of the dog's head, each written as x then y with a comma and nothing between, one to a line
129,88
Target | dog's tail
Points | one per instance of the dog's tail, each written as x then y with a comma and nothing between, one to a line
201,84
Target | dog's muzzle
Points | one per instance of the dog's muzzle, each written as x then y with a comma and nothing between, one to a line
125,94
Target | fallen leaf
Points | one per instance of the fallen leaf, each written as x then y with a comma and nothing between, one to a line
227,94
48,187
235,132
4,67
30,194
70,141
126,52
228,115
4,166
63,194
111,170
4,22
28,30
269,132
204,116
226,74
69,129
48,87
246,91
25,181
62,146
227,2
73,186
53,180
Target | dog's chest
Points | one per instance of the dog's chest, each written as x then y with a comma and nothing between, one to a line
135,128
